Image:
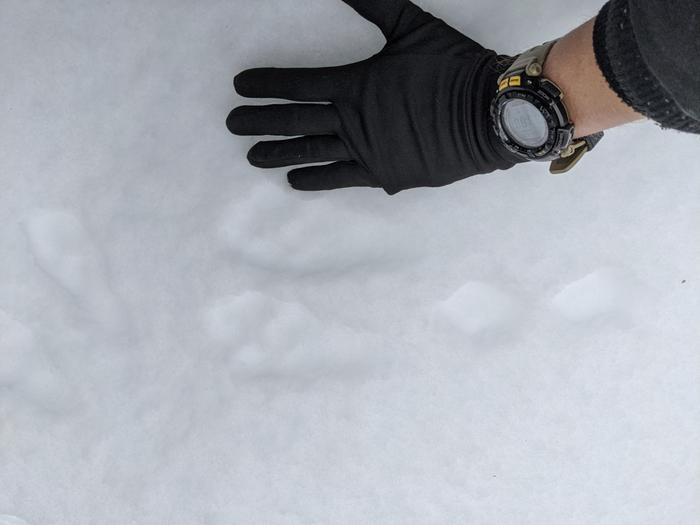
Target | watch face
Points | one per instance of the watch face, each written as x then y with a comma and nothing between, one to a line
524,123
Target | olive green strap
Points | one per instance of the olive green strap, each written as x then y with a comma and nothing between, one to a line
530,62
570,156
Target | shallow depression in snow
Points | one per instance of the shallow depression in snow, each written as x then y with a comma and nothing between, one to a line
269,230
25,372
478,307
64,250
264,336
607,292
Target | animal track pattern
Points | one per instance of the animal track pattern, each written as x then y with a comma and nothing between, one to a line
271,231
606,292
64,250
24,369
268,336
479,307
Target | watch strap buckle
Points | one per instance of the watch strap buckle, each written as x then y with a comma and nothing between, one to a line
570,156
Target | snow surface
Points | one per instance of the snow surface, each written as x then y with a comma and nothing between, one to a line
185,340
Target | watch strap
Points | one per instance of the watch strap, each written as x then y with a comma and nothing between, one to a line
529,62
593,139
570,157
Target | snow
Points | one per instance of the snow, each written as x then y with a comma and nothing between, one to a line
184,339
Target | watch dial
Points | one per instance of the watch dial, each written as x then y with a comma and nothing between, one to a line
524,123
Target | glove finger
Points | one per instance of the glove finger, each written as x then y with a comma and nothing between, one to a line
330,177
394,18
284,119
300,84
302,150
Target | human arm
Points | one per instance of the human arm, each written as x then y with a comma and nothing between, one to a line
649,53
640,59
592,104
416,113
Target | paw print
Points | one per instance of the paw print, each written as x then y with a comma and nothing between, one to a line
265,336
604,293
272,230
66,253
24,370
477,308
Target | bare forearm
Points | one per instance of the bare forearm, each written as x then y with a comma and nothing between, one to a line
592,105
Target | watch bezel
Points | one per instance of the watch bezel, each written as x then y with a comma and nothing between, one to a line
547,98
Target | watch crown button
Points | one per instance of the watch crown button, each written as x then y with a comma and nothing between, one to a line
534,69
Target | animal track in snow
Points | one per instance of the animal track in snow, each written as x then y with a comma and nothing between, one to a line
17,344
478,307
607,292
274,231
6,519
25,371
266,336
64,250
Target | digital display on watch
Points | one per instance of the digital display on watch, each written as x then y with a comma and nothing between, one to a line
524,123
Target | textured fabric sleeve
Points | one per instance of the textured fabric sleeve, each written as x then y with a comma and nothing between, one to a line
649,52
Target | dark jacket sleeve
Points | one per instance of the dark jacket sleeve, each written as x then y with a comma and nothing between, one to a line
649,51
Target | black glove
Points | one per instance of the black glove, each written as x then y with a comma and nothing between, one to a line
416,114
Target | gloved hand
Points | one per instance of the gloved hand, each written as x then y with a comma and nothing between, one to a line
416,114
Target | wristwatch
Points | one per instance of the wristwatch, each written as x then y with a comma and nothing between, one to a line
530,117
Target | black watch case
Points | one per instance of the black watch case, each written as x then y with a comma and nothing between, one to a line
547,98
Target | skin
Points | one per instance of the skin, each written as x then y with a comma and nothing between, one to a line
593,106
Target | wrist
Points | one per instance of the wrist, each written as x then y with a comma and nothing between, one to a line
591,104
530,116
